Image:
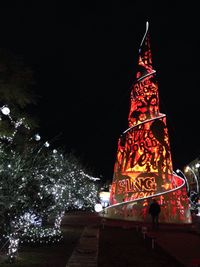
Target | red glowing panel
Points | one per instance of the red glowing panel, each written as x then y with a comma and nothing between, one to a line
143,164
143,167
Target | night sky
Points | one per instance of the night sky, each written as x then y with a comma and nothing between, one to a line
84,58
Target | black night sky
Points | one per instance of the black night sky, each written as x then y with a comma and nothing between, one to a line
84,57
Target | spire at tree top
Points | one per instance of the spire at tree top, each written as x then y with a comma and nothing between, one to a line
145,57
144,92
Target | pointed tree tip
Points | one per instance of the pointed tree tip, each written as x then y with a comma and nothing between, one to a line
147,25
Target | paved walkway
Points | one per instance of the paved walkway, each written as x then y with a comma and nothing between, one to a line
179,241
86,251
183,246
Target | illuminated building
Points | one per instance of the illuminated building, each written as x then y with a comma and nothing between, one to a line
143,169
192,174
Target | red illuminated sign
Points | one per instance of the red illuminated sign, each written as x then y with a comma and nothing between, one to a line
143,167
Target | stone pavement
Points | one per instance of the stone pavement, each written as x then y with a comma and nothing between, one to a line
181,242
181,245
86,252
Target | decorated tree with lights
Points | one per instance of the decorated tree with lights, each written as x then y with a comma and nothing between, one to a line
13,199
83,187
15,169
64,185
38,183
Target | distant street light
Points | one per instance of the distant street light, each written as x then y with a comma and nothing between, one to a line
5,110
46,144
98,207
37,137
197,165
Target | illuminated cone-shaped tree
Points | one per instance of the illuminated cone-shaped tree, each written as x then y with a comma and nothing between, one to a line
143,168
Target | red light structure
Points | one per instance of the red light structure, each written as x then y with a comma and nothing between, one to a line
143,168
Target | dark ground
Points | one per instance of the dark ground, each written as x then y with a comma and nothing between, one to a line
124,247
55,255
121,244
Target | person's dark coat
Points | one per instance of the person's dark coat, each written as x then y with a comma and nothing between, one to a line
154,208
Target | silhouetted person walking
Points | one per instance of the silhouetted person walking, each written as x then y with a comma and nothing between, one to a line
154,211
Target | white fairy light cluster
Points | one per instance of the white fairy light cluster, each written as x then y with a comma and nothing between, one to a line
58,220
16,123
40,235
31,219
37,185
13,246
84,195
